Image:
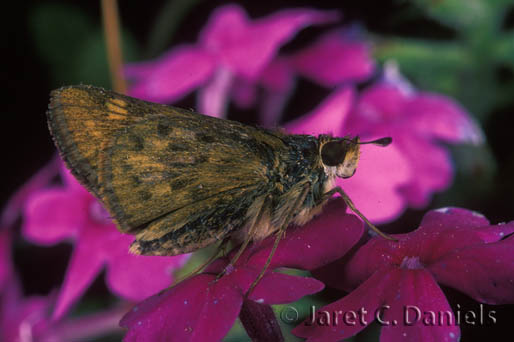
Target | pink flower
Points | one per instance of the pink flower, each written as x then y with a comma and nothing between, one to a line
26,319
5,257
13,210
202,308
230,45
338,57
69,212
23,319
455,247
417,122
381,171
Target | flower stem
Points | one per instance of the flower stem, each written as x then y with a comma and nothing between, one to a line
112,40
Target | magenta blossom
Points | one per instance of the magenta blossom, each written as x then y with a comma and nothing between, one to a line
202,308
396,282
380,172
230,45
5,258
70,213
336,58
13,210
27,319
417,122
23,319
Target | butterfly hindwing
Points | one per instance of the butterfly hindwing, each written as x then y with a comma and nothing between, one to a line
174,172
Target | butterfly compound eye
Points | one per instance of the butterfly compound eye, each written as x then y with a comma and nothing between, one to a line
333,153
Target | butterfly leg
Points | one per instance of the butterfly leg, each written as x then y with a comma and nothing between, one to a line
350,205
263,208
281,233
197,270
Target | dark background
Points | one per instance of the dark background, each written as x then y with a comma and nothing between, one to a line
38,58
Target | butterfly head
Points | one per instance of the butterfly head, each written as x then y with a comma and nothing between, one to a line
340,156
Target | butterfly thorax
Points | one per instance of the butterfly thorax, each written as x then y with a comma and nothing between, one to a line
297,183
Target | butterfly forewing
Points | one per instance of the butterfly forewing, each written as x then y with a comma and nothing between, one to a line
167,174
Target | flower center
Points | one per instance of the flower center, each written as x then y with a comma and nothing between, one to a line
411,263
98,214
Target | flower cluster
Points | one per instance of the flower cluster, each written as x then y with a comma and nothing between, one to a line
455,247
240,59
69,212
204,308
235,56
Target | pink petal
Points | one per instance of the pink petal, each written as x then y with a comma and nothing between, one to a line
278,288
485,272
224,28
22,318
279,28
248,47
85,264
167,316
197,309
430,163
212,99
441,234
434,239
374,187
278,75
441,117
334,59
451,217
324,239
173,75
328,117
378,105
278,82
138,70
494,233
136,277
244,93
410,304
53,215
221,308
5,257
272,108
364,301
38,181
